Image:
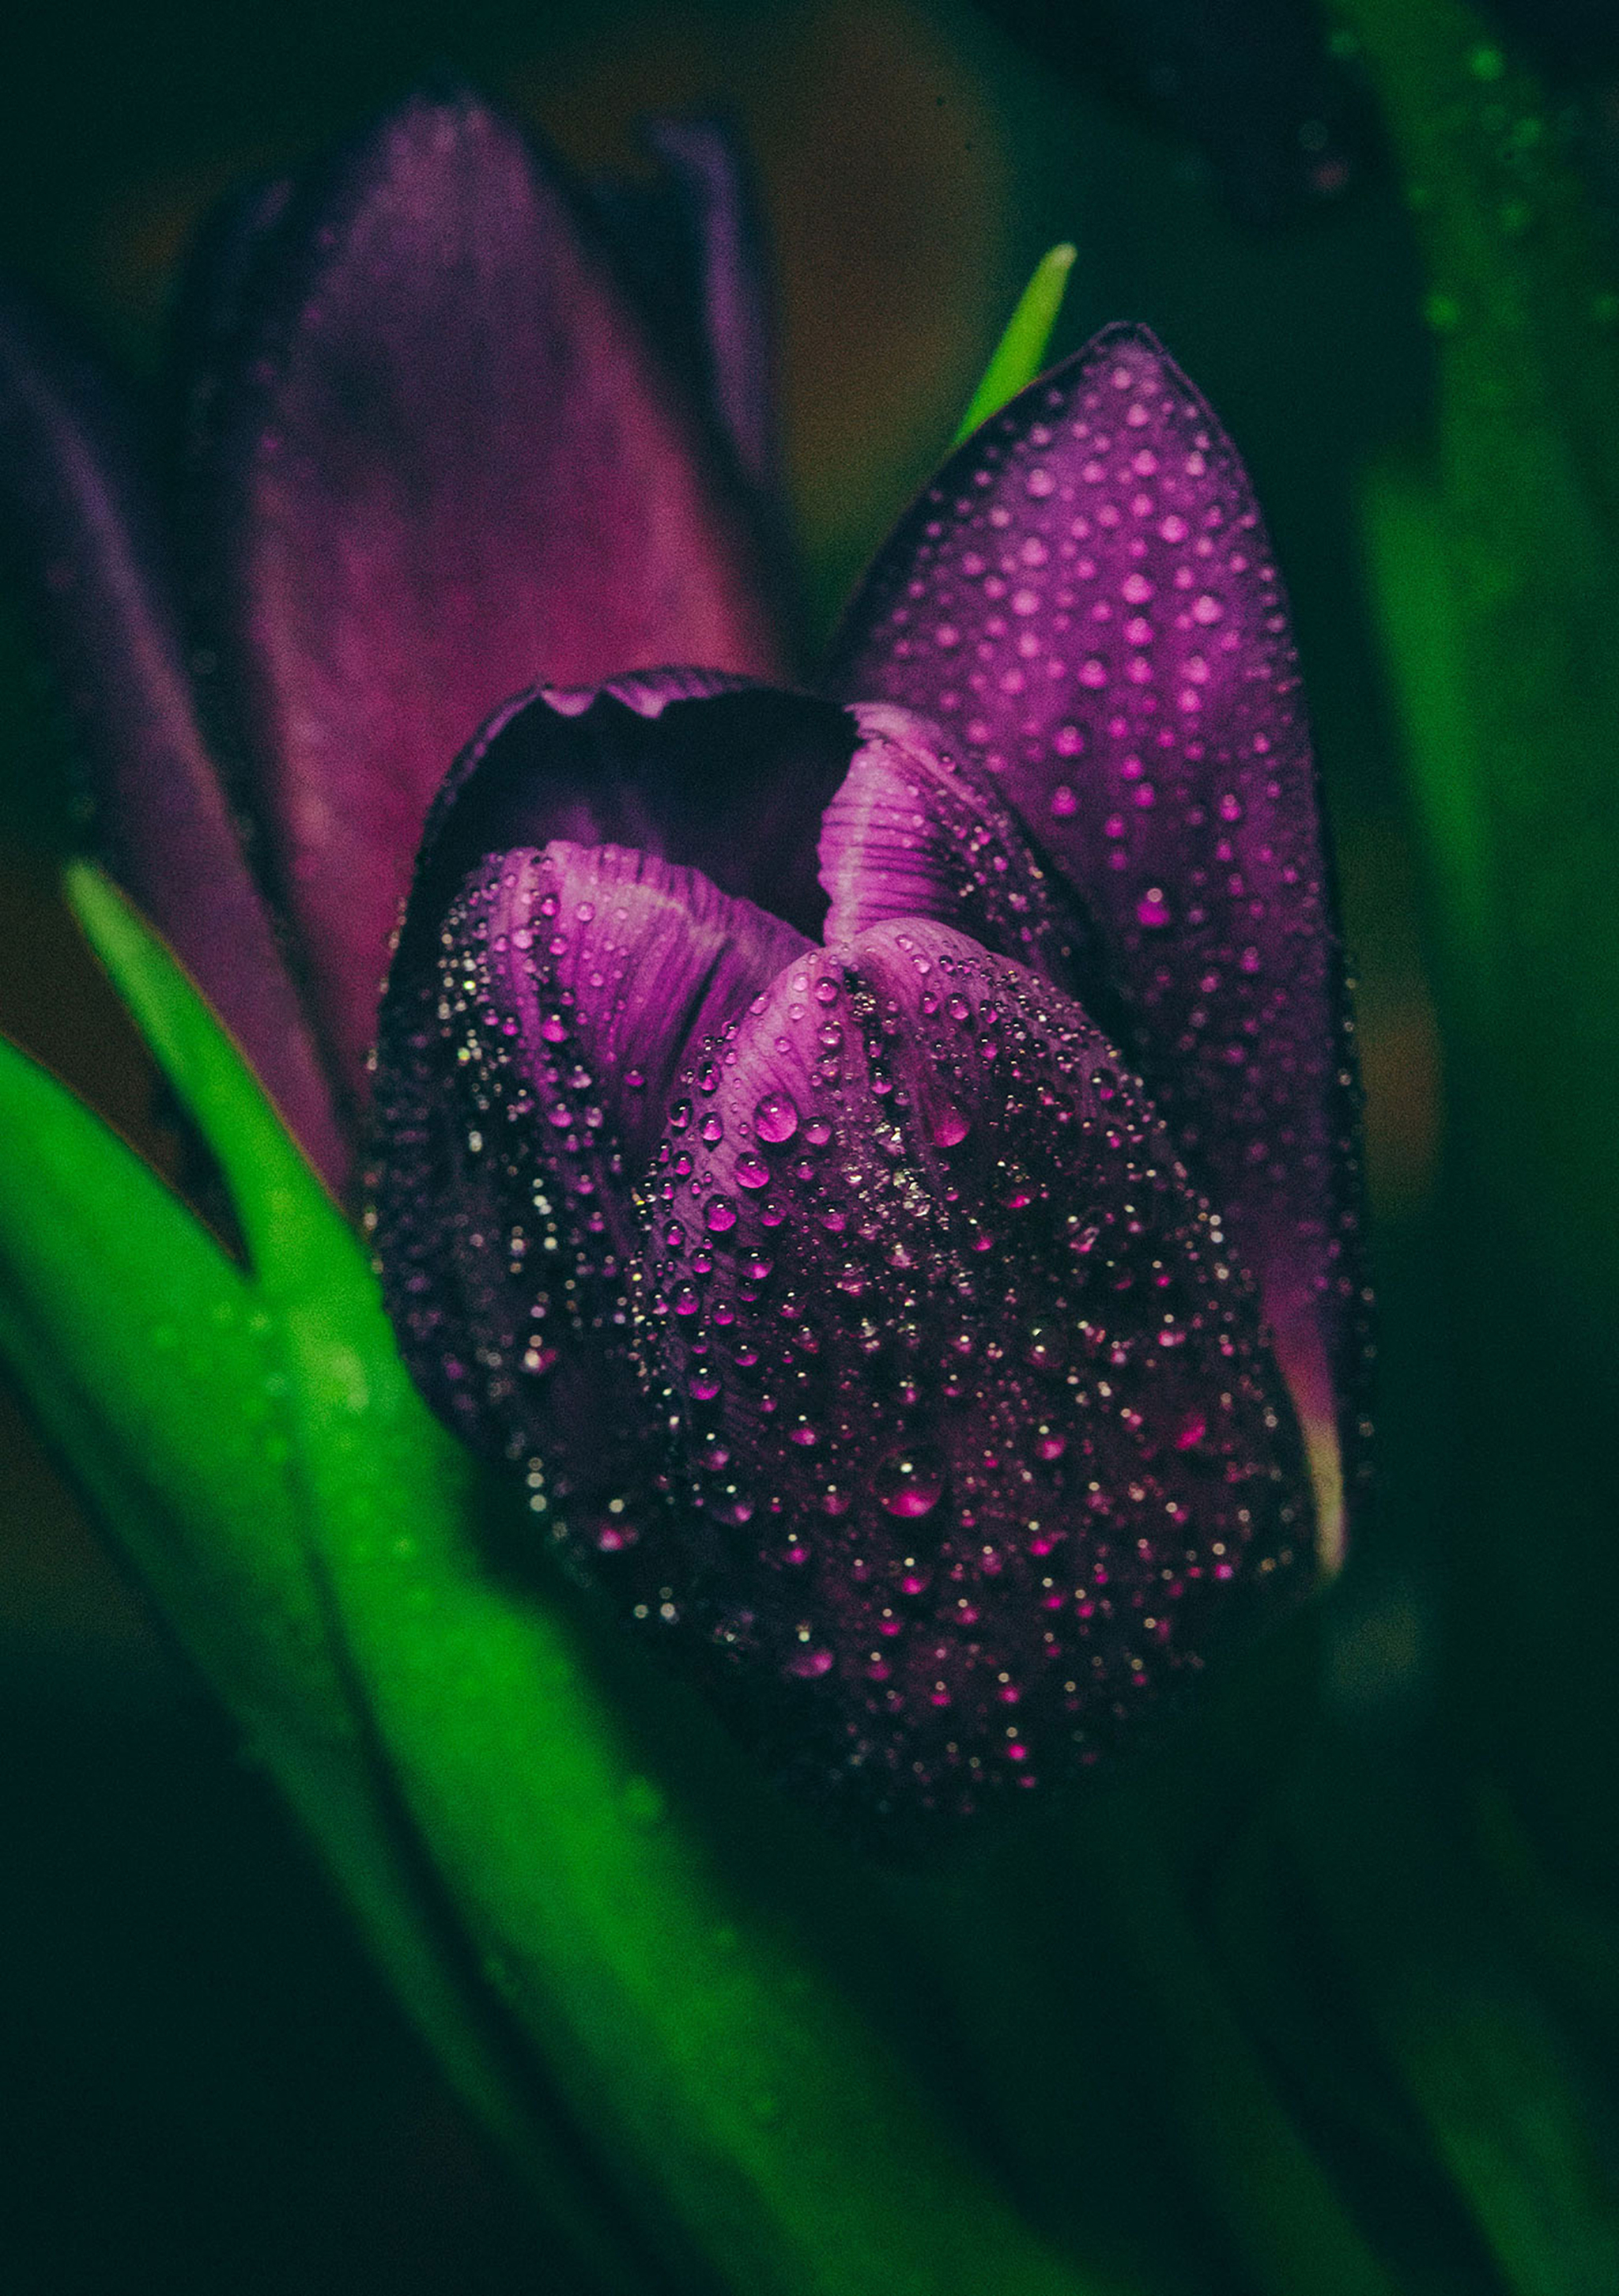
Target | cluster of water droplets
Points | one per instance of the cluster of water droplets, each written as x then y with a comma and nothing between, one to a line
959,1374
505,1240
1087,603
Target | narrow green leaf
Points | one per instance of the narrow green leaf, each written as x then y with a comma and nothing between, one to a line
154,1368
287,1217
151,1364
1018,355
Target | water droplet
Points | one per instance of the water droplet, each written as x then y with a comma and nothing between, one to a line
911,1482
751,1170
775,1118
719,1214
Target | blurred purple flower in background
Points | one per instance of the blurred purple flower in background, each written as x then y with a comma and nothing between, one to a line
879,1164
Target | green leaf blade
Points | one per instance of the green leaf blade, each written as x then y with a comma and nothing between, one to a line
288,1220
1018,355
150,1362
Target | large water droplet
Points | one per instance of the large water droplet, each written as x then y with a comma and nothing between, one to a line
775,1118
911,1482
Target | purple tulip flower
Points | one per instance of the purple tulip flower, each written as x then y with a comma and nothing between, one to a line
877,1164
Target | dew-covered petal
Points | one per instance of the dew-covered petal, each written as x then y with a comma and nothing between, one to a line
79,534
687,766
980,1442
528,1049
633,963
1085,599
917,830
449,463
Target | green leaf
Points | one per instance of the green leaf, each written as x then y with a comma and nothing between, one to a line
159,1377
1509,2110
1495,580
1018,355
151,1364
290,1222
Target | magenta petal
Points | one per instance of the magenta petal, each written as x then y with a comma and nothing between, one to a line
452,464
1085,598
75,523
917,831
528,1050
631,962
962,1380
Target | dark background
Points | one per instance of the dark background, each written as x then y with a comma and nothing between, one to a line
202,2086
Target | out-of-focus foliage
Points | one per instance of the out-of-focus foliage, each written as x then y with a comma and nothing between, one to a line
1496,570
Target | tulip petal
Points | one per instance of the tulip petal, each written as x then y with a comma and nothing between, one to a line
84,540
693,244
976,1419
528,1051
916,830
1085,599
449,463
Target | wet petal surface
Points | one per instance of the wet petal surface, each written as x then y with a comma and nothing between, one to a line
978,1443
528,1054
1085,600
917,831
450,464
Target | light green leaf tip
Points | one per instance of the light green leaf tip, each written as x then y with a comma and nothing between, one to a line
1020,353
291,1224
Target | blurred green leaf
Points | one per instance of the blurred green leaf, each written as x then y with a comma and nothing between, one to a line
1509,2107
1496,579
